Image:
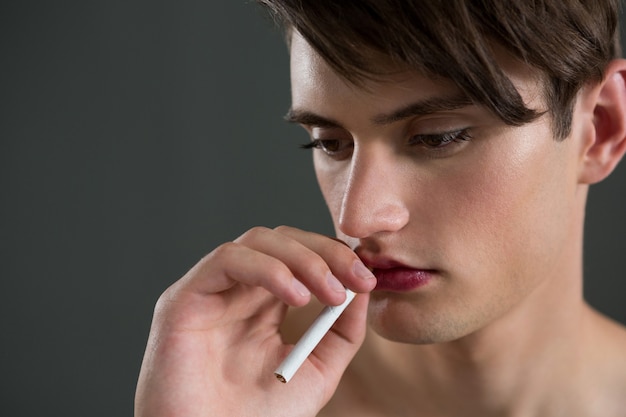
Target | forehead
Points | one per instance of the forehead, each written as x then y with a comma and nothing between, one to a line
314,82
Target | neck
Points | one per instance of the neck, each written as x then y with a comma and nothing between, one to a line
512,366
509,368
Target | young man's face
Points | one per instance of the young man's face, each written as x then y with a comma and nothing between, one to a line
464,218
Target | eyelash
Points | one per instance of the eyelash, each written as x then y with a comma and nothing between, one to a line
319,144
442,142
444,139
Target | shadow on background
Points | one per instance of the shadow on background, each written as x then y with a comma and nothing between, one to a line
135,137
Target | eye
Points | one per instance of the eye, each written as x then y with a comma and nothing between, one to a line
337,149
440,140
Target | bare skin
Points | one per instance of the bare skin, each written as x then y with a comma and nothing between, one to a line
196,364
522,328
494,220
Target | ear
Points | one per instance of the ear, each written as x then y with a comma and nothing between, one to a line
607,141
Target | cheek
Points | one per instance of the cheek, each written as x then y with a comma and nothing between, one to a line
510,211
502,211
332,185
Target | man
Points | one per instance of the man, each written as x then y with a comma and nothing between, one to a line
454,143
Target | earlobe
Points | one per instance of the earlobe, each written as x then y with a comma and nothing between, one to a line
604,152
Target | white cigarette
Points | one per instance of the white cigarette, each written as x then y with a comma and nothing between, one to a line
310,339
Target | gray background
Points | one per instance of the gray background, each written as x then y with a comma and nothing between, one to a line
135,137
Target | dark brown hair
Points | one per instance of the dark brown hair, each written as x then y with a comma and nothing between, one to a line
569,41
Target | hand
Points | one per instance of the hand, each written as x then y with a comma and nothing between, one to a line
215,341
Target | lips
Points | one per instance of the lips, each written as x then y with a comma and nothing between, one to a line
401,278
392,275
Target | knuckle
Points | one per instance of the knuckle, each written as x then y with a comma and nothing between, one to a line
283,229
276,270
254,233
314,266
223,251
341,251
166,300
227,248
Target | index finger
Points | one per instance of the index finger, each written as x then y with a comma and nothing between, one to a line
341,259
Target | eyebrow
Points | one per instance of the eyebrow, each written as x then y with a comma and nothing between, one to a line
419,108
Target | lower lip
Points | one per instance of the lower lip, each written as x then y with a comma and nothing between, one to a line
401,279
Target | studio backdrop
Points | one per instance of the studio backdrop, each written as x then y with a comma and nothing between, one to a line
135,136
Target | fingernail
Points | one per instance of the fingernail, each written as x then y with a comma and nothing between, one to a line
334,283
302,290
361,271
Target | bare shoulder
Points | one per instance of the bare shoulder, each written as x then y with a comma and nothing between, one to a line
609,374
611,340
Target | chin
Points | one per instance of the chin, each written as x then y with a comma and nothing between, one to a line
406,324
416,335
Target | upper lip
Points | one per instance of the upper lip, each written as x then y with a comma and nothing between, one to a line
380,262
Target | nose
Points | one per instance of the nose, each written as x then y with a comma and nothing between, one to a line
373,199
